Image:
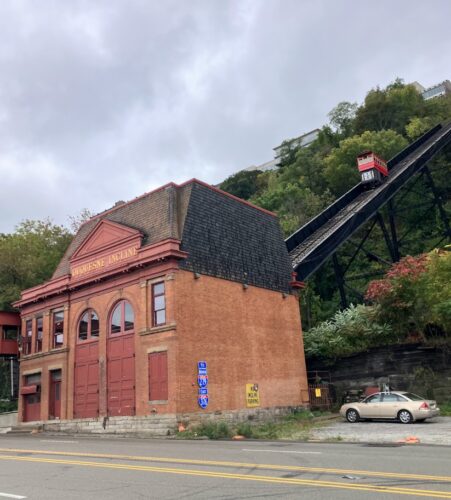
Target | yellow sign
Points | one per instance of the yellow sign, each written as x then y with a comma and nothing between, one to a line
109,260
252,395
317,393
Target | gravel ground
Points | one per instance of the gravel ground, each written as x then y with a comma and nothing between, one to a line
434,431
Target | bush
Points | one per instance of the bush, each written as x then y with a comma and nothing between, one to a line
350,331
213,430
6,405
415,296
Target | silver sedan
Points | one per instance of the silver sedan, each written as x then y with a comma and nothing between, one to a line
405,407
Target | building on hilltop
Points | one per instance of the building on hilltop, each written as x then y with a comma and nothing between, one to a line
173,303
301,141
437,90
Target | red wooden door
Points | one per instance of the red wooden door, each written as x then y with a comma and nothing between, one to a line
32,407
121,375
158,376
86,390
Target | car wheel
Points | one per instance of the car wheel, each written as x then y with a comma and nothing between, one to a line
352,416
405,417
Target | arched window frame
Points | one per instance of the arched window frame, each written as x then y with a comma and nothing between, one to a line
89,337
121,305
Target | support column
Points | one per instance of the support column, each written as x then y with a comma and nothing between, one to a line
340,281
394,236
438,202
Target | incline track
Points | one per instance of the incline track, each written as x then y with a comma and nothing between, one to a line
317,240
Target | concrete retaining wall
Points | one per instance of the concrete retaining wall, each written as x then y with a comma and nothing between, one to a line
8,419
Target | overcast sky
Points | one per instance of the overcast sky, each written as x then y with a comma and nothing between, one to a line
102,101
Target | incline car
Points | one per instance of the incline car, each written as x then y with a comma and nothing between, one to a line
405,407
372,168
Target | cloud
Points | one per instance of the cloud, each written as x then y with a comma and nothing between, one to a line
101,101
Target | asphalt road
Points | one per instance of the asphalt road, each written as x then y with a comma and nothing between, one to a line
48,467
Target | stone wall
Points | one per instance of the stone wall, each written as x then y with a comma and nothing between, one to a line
156,425
413,367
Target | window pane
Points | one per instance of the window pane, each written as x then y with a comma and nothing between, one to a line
94,324
10,332
29,328
35,378
58,322
58,340
129,317
160,317
116,319
159,303
158,289
39,327
83,327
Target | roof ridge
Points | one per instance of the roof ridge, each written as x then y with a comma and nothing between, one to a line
229,195
173,184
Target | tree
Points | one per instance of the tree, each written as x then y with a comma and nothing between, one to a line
29,257
243,184
75,221
342,117
390,108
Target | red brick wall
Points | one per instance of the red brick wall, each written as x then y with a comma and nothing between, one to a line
248,335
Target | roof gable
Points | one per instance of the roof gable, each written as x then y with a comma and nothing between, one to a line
106,234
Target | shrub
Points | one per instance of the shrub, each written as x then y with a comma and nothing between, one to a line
350,331
415,296
213,430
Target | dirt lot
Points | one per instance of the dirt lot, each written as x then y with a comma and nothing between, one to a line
434,431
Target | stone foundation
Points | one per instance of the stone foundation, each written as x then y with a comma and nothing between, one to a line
157,425
152,425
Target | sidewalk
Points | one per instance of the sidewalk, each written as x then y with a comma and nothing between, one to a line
435,431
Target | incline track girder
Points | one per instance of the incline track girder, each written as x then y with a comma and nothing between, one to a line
319,239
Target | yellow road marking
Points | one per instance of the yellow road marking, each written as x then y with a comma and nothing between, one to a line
224,475
293,468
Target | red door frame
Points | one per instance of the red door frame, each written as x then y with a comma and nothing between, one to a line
55,394
121,365
31,394
86,372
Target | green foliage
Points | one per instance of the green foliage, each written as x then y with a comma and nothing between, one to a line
29,257
445,409
342,117
390,108
353,330
6,406
5,380
212,430
244,184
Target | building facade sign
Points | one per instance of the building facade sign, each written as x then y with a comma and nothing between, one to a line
104,262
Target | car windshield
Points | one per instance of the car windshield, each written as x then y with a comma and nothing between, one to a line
413,397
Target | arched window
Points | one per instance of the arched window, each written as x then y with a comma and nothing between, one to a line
122,319
88,328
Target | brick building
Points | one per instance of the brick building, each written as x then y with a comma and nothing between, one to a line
148,292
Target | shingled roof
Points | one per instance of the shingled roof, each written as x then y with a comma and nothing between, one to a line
223,236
